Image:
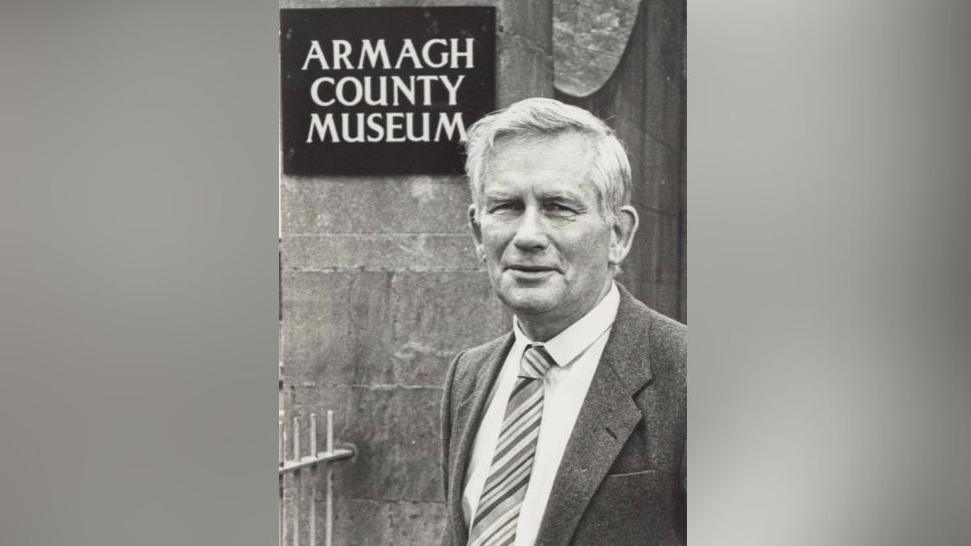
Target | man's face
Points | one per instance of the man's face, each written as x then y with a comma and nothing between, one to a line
540,227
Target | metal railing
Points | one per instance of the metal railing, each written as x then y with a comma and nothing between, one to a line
296,467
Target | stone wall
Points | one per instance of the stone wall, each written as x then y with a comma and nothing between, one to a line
379,290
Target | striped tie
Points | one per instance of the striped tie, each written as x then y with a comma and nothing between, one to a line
502,495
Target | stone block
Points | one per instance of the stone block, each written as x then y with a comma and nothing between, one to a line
530,20
673,121
336,327
446,312
652,112
667,259
408,204
522,71
658,154
365,521
382,252
679,7
665,38
436,315
667,187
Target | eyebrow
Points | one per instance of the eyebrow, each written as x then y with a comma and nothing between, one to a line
559,194
499,196
547,196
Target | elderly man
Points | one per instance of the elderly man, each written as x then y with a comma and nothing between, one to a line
571,428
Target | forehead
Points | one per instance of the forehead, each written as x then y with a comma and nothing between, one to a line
554,162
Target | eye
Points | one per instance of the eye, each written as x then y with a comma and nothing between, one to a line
503,206
560,209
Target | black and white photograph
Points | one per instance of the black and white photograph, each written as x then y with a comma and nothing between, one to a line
483,273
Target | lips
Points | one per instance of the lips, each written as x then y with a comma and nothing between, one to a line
530,268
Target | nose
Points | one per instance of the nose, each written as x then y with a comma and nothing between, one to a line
530,233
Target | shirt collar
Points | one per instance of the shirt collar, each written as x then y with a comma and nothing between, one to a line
566,346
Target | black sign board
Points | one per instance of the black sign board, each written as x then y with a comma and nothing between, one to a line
383,90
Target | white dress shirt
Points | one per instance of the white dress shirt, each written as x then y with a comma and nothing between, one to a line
577,351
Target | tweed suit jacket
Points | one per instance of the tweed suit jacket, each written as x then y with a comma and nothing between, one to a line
623,475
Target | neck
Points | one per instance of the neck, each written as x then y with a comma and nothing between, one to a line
544,327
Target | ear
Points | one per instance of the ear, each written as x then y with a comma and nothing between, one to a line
622,235
476,232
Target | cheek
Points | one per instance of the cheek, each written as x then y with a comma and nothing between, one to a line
495,238
493,249
589,247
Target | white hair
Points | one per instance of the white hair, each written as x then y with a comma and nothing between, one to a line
542,118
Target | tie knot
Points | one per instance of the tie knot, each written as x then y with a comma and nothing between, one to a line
536,361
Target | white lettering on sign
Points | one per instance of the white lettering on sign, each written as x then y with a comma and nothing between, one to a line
383,90
389,127
435,53
345,90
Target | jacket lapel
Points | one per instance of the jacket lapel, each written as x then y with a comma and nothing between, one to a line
475,393
606,420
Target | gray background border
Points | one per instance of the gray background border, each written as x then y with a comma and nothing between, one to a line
828,167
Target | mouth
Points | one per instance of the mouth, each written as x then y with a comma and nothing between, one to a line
530,269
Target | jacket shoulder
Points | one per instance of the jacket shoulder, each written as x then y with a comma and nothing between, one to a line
467,361
668,337
487,348
669,347
669,334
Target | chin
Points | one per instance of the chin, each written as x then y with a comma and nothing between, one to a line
529,301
